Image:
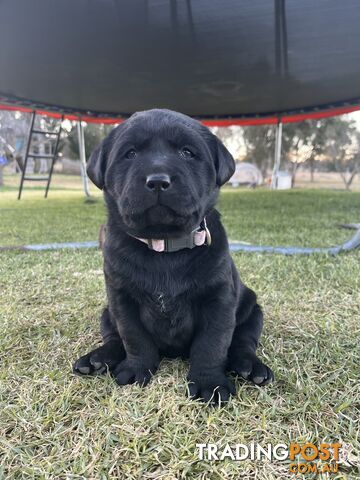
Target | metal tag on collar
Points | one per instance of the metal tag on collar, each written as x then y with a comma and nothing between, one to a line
208,234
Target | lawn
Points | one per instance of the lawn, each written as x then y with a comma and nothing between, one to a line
54,425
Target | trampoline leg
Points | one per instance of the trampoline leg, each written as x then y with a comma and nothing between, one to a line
278,141
82,153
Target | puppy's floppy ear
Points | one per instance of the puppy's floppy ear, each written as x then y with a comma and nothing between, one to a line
96,166
224,163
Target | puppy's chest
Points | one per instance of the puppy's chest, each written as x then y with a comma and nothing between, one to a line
170,320
162,302
167,296
162,289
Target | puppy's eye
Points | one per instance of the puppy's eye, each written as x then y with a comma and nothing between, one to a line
130,153
187,153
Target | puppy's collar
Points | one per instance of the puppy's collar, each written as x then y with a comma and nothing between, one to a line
197,238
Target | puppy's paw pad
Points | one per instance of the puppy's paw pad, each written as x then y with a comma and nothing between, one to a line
101,359
83,366
96,365
251,368
83,370
261,374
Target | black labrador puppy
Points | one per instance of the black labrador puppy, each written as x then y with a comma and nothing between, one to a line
172,287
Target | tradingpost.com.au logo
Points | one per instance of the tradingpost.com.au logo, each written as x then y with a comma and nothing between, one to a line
303,458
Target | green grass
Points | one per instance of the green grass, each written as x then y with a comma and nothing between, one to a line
63,217
54,425
298,218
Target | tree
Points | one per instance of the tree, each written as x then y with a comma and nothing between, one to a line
233,139
297,156
260,146
93,133
297,145
333,140
343,145
260,143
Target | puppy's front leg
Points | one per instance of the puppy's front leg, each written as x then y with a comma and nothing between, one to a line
208,354
142,356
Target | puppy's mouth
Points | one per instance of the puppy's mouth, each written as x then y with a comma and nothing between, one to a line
161,214
160,221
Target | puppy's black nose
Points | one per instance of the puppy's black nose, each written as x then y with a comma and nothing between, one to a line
158,181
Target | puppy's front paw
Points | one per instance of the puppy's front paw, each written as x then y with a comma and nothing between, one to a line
97,361
248,366
128,372
210,386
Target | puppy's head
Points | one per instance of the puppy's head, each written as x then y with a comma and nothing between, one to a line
161,172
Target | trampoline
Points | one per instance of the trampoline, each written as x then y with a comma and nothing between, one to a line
224,62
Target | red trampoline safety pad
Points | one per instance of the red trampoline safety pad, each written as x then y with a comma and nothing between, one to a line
221,122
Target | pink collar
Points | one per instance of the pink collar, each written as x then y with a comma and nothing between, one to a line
198,237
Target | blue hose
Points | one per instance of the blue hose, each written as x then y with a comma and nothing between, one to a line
351,244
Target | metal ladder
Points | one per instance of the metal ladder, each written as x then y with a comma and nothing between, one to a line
29,154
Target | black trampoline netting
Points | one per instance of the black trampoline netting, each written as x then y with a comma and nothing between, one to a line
211,59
